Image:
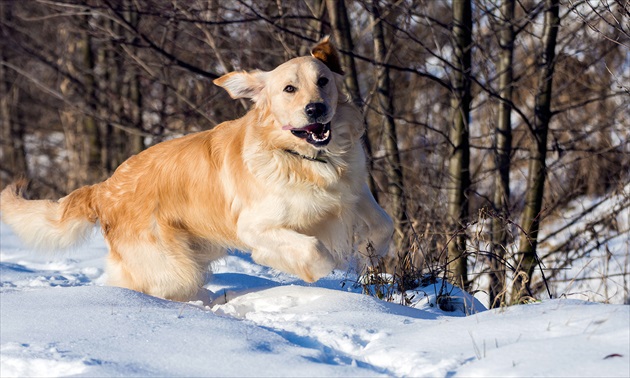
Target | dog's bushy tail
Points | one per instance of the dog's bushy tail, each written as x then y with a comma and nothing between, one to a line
45,224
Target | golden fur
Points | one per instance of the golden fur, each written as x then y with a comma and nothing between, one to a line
247,184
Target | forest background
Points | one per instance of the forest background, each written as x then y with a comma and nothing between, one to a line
492,126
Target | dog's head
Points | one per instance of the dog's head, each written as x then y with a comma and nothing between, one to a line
301,95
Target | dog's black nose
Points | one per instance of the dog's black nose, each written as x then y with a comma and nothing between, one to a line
314,110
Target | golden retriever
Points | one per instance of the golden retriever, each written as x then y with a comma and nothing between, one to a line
286,182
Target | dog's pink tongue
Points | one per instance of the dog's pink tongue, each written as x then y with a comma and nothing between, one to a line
309,128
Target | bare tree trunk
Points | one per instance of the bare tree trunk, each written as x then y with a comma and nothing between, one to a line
393,166
316,24
531,217
114,137
74,121
120,89
341,29
459,161
13,151
73,131
102,98
502,151
136,141
92,133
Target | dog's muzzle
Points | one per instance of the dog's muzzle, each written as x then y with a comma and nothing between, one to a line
317,134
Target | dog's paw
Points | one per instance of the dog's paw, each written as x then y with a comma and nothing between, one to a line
307,258
317,263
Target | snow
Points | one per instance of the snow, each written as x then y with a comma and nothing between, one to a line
58,319
597,266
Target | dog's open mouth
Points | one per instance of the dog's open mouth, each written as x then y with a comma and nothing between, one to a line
317,134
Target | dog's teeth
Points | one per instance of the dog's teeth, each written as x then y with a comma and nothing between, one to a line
324,136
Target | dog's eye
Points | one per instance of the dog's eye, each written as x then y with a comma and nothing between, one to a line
290,89
322,82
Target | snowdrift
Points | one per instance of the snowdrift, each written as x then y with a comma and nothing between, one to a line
57,319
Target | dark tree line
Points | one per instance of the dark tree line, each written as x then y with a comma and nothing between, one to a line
484,119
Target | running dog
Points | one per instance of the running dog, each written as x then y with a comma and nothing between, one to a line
286,182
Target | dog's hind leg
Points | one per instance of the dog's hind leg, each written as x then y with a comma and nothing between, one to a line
377,228
149,266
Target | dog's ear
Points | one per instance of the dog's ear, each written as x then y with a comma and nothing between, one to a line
242,84
327,53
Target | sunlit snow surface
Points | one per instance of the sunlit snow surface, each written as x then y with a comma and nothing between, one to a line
58,319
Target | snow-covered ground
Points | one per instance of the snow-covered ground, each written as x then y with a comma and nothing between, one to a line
593,253
57,319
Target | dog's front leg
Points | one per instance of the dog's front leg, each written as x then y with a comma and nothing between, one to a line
284,249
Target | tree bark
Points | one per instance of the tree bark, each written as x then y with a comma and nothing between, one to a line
136,141
532,216
316,24
73,134
393,167
13,151
502,152
110,107
459,161
92,137
341,30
